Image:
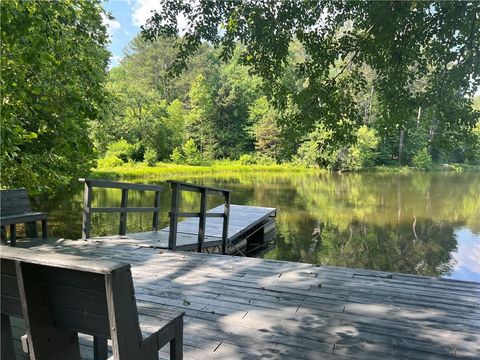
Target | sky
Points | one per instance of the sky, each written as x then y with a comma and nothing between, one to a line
129,16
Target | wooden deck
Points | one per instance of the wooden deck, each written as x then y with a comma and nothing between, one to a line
247,308
244,221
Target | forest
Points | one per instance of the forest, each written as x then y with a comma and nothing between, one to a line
217,110
243,94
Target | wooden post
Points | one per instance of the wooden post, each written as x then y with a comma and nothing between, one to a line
203,219
44,228
226,218
156,204
123,215
87,203
172,236
176,345
4,234
7,348
100,348
31,230
13,235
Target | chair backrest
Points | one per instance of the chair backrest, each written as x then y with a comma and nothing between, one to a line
61,295
14,202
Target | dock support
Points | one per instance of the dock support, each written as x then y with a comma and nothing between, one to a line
203,220
175,202
156,205
123,215
87,204
226,217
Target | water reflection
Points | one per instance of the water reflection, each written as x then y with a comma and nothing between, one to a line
427,224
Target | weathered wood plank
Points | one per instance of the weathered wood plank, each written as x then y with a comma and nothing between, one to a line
249,308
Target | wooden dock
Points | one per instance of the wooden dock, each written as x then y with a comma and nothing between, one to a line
245,222
225,229
248,308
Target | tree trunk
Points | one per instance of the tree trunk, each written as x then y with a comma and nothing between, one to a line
400,146
431,134
419,114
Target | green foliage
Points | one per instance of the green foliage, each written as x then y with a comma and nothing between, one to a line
110,161
365,148
421,53
53,67
200,119
191,153
475,148
177,156
121,149
247,159
422,160
150,157
343,110
265,128
318,149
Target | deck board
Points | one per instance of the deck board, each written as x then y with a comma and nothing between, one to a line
247,308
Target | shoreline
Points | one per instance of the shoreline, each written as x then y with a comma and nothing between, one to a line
141,170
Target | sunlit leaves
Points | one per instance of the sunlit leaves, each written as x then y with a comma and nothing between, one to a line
53,68
401,40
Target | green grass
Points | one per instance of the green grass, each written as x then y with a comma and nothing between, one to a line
435,167
160,170
133,170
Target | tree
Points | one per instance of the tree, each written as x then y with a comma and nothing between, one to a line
399,40
53,69
200,124
265,129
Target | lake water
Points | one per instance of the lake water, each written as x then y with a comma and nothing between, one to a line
424,223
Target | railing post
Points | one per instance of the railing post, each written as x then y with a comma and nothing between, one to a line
87,203
202,221
172,235
123,215
156,204
226,218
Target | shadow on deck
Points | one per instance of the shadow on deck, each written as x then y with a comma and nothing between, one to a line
247,308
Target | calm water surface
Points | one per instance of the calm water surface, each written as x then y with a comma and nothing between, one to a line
426,223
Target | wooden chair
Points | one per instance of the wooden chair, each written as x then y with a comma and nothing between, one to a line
15,209
61,295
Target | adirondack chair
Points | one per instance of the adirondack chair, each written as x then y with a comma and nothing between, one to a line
15,209
60,296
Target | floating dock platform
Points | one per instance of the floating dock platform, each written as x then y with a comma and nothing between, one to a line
249,308
247,223
226,228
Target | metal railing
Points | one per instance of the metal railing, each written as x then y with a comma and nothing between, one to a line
123,209
177,188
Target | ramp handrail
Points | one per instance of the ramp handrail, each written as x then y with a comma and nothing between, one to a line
177,187
123,209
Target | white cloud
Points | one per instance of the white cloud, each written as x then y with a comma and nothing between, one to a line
114,61
111,24
142,11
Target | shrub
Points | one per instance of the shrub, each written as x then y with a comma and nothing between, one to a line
110,161
192,155
150,156
247,159
262,159
177,156
422,159
122,149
